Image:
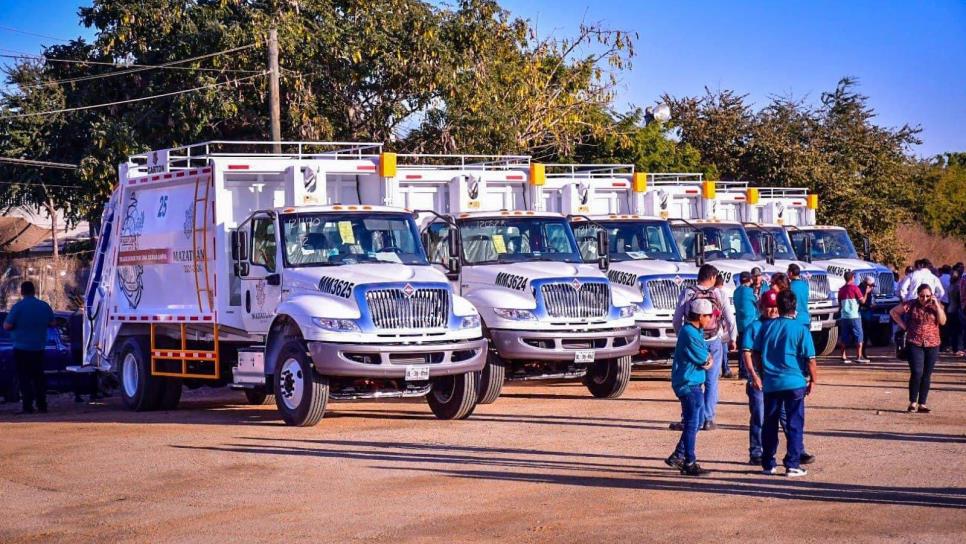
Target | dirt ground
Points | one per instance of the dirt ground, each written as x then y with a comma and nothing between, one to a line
546,462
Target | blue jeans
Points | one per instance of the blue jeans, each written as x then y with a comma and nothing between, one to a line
793,402
756,407
921,362
718,353
691,408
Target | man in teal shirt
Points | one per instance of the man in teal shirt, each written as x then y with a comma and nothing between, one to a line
800,288
786,356
28,321
691,359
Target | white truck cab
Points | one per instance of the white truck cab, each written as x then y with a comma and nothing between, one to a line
546,313
227,263
830,248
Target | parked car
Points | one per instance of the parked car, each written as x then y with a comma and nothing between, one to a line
63,350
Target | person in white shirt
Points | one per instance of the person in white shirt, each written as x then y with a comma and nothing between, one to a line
922,275
944,280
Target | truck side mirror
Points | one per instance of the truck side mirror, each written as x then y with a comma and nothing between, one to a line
699,248
239,246
454,263
866,249
603,250
808,249
770,245
233,239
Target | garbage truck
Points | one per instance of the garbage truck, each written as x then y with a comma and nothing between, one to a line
831,248
546,314
235,263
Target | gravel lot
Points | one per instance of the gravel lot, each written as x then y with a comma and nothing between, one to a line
544,463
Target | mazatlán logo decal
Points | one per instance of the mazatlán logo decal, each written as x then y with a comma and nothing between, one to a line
130,277
472,187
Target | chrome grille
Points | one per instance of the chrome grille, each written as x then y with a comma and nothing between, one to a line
392,309
664,293
589,300
818,288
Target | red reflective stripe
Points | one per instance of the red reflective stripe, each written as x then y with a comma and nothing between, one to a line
514,178
155,178
739,198
192,172
366,167
796,203
168,176
618,184
237,167
691,191
413,176
180,174
208,169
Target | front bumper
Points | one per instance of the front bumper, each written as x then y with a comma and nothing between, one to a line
657,334
562,345
391,360
826,314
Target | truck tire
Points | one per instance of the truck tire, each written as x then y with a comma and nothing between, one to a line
825,341
301,394
170,393
259,397
453,397
608,379
490,379
140,391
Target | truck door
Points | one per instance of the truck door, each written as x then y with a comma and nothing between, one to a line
436,239
257,271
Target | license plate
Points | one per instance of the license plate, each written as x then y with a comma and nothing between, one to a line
815,326
417,373
885,318
584,356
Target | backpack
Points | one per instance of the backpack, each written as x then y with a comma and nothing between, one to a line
717,309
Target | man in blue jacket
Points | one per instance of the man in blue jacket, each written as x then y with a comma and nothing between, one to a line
692,359
28,321
800,287
786,356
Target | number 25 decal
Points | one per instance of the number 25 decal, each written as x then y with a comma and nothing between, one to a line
163,207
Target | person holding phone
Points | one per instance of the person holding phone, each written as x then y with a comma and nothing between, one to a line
921,319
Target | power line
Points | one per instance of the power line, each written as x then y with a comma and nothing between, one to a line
142,68
93,106
28,33
98,63
58,185
43,164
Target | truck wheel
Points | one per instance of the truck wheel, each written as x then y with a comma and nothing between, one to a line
300,392
490,379
825,341
170,393
453,397
140,391
259,397
608,379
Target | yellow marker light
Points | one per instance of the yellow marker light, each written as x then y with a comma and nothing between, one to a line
538,174
811,201
639,182
387,164
709,190
752,195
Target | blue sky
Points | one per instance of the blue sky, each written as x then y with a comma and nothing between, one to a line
910,57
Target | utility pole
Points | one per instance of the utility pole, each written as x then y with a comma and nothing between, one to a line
274,109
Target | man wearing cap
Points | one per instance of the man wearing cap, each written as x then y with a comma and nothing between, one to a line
785,355
692,359
756,402
746,308
758,283
800,287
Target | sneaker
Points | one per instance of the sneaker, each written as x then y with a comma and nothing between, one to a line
863,360
806,459
754,460
676,426
694,469
846,361
795,472
675,462
923,410
770,471
709,426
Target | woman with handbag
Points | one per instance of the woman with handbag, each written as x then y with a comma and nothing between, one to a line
920,319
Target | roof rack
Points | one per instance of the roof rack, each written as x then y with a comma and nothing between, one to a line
461,162
782,192
194,155
588,170
674,178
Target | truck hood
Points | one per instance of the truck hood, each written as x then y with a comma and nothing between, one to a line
840,266
514,274
653,268
806,267
308,278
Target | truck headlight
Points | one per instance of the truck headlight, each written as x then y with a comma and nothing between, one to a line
514,314
336,325
469,322
626,311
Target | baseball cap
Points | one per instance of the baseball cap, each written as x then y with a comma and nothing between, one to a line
769,299
755,271
701,306
744,276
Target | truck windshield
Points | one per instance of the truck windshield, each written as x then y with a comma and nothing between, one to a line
629,241
783,246
721,242
331,239
518,239
826,244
